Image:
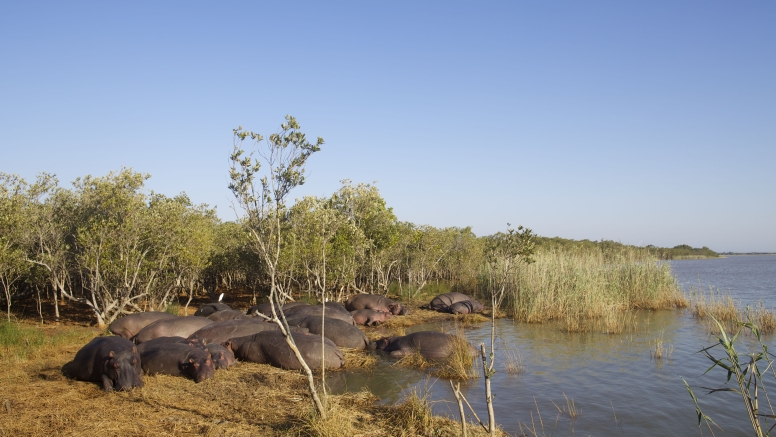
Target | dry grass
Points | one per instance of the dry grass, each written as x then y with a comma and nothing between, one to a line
514,362
460,364
415,360
715,304
659,349
569,409
245,400
358,358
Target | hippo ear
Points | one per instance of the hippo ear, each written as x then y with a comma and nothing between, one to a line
111,354
115,365
191,360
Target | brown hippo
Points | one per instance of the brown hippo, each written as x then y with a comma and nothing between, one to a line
210,308
369,317
128,326
222,316
443,301
375,302
222,358
175,327
114,361
341,333
431,345
170,358
219,332
466,307
266,308
317,310
270,347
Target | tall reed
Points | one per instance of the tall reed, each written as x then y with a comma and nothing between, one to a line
582,288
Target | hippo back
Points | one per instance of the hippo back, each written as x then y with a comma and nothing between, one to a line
176,327
128,326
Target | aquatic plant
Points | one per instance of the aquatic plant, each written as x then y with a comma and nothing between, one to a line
746,370
582,288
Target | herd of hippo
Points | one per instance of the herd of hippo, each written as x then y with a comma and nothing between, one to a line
216,336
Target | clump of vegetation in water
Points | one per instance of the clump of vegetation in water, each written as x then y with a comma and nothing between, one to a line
715,308
581,288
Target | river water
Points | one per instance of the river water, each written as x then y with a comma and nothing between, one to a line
616,387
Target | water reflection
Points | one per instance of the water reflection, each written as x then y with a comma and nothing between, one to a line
616,386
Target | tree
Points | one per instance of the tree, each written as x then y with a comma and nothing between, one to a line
263,201
13,265
504,253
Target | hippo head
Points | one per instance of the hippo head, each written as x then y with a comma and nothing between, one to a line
123,369
398,309
199,366
382,343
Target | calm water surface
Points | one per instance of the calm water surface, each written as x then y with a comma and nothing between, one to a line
616,387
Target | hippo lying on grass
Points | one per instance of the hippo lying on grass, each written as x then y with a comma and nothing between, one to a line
222,358
331,311
114,361
210,308
172,358
375,302
431,345
270,347
456,303
174,327
222,316
369,317
341,333
219,332
129,326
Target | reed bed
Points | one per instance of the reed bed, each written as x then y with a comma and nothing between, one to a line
588,290
716,304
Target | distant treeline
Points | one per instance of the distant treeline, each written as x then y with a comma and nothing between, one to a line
681,251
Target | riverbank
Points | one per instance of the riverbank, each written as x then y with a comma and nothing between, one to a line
247,399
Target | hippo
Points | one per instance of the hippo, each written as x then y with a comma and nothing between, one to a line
266,308
219,332
128,326
375,302
170,358
443,301
340,333
466,307
270,347
317,310
222,358
210,308
369,317
114,361
431,345
176,327
221,316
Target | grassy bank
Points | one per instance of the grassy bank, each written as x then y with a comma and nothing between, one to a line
589,290
36,399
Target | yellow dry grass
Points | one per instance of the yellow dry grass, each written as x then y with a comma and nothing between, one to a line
715,304
36,399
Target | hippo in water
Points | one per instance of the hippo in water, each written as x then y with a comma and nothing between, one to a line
341,333
210,308
375,302
129,326
431,345
114,361
171,358
444,301
175,327
270,347
370,317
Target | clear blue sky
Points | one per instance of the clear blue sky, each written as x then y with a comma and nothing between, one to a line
640,122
